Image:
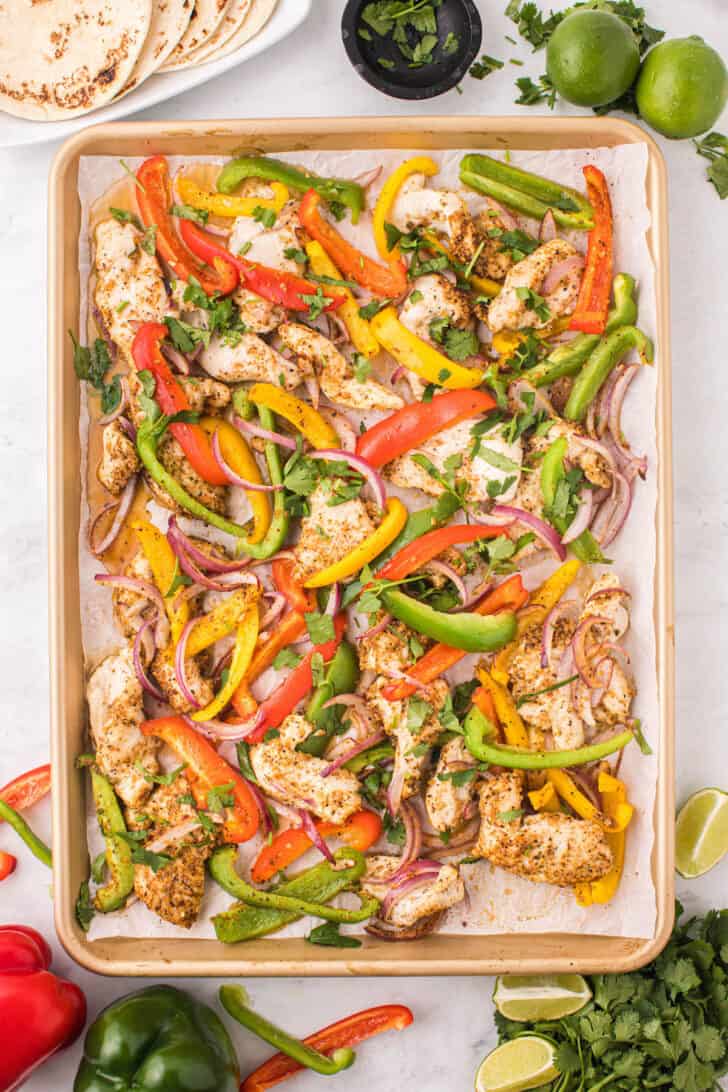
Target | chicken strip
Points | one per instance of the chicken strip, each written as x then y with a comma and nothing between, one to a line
445,890
132,608
447,798
119,461
164,672
295,778
546,848
204,395
419,205
114,697
478,238
173,458
251,358
435,298
387,651
413,726
509,312
129,285
329,532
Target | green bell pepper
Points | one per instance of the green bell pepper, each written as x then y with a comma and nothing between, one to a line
585,547
38,848
159,1039
478,732
340,677
468,631
374,755
602,361
332,190
526,192
118,852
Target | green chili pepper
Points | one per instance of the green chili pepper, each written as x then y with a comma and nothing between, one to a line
527,193
477,729
339,190
568,359
468,631
118,852
234,1000
319,885
38,848
419,523
602,361
341,677
374,755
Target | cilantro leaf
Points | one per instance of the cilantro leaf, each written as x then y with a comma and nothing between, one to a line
328,935
320,627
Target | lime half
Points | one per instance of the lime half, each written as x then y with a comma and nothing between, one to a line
525,1062
540,996
701,833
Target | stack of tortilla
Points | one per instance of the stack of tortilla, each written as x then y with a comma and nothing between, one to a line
62,58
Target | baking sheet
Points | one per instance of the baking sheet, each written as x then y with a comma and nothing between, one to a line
499,901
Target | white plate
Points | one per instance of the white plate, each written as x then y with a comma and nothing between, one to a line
289,14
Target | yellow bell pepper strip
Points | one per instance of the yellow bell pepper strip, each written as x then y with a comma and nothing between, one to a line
421,357
395,517
224,617
223,204
419,164
545,798
359,329
306,420
164,566
484,285
510,719
245,643
238,456
578,802
614,796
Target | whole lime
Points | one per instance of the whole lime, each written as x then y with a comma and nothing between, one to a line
592,58
682,88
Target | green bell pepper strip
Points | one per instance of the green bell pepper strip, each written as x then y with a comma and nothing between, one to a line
477,729
118,852
341,677
319,885
602,361
339,190
418,524
467,631
159,1039
223,871
527,193
568,359
585,547
234,1000
38,848
369,758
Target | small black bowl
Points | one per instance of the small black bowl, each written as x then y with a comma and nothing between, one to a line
458,17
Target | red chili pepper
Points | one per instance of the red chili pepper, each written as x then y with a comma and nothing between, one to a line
39,1013
8,864
360,831
276,285
27,789
348,1032
154,198
510,595
386,282
172,399
592,306
413,556
412,425
206,770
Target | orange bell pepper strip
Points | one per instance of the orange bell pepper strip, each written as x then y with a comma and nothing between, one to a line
510,595
614,800
206,770
360,831
413,556
345,1033
592,306
386,282
154,199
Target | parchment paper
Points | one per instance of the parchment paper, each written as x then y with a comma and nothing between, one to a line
499,901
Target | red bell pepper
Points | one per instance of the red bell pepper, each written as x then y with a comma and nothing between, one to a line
592,306
345,1033
206,770
298,597
39,1013
172,399
412,425
386,282
8,864
154,199
360,831
277,285
27,789
510,595
413,556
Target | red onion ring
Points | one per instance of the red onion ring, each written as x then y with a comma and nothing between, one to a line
174,356
122,506
394,790
205,561
334,601
346,756
217,729
378,628
342,426
583,516
264,433
542,530
145,588
563,607
410,885
556,274
452,575
410,679
361,466
367,178
547,231
261,804
235,479
413,842
309,828
173,835
144,680
613,513
180,667
274,611
397,374
507,219
578,642
123,403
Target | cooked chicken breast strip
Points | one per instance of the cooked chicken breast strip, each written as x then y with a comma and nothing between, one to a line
446,890
447,800
129,286
251,358
509,311
119,461
413,726
329,532
434,297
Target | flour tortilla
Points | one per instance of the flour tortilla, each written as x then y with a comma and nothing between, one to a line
235,15
206,18
170,20
62,58
257,17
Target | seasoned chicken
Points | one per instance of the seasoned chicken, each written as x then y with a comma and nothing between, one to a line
446,799
387,651
172,457
413,726
435,298
129,286
336,374
445,890
259,315
419,205
268,246
204,395
163,670
114,697
119,461
295,778
329,532
546,848
131,608
509,312
251,358
479,238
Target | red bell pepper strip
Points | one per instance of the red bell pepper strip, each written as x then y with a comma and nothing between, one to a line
8,864
206,770
386,282
39,1013
154,199
277,285
592,306
360,831
27,789
510,595
345,1033
413,556
412,425
172,399
297,597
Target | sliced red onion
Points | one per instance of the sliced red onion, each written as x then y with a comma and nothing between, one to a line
424,879
216,229
123,505
378,628
582,659
334,601
173,835
556,274
309,828
366,178
342,426
452,575
274,611
235,479
507,219
491,520
144,632
361,466
145,588
613,513
623,381
542,530
313,390
208,562
463,838
180,665
395,788
409,679
357,749
123,403
397,374
413,843
222,664
218,729
174,356
547,231
583,517
600,448
128,428
261,804
564,607
226,580
584,783
264,433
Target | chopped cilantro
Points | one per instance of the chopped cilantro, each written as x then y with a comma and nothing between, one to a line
328,935
534,303
264,216
187,212
531,94
362,367
125,217
295,254
485,66
286,658
714,147
155,861
320,627
220,797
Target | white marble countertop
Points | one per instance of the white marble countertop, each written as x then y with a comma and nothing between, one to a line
309,75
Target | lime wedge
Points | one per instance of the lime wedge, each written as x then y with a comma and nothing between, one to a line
540,996
525,1062
701,833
